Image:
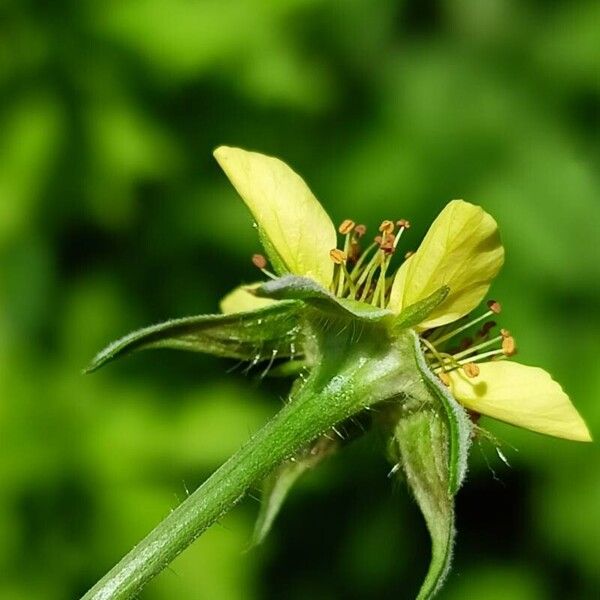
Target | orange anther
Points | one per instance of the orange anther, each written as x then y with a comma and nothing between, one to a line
337,256
386,227
360,230
471,369
444,378
494,306
346,227
258,260
508,346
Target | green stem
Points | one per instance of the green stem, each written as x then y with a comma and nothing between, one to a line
297,424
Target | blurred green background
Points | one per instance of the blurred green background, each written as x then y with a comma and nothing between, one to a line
114,215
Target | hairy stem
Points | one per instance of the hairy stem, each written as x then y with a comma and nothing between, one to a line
311,413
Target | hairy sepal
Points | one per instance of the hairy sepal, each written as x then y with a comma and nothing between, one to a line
279,483
460,427
421,441
244,336
430,439
291,287
416,313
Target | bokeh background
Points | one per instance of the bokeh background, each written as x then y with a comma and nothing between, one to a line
114,215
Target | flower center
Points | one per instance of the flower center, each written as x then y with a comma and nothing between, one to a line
363,274
444,354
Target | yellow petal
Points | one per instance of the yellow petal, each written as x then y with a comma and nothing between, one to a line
242,300
297,229
462,250
524,396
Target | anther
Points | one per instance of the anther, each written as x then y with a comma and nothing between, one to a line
505,333
337,256
386,227
508,346
471,369
444,378
346,227
360,230
259,261
494,306
403,223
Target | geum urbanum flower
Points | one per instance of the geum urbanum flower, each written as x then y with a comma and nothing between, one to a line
366,344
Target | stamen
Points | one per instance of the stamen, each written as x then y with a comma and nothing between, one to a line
494,306
444,377
353,251
509,348
259,261
402,224
360,230
346,227
379,295
481,357
371,266
505,333
434,351
478,347
386,227
361,259
456,331
471,369
337,256
368,274
460,363
387,244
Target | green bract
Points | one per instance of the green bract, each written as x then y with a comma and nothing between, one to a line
358,336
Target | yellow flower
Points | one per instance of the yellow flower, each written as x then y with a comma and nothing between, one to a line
357,336
461,251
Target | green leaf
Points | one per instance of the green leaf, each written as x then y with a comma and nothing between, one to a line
291,287
416,313
277,486
256,335
422,442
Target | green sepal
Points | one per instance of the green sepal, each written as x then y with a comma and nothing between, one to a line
421,442
293,287
416,313
254,335
291,368
278,484
460,426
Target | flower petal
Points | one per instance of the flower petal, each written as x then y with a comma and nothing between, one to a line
241,299
462,250
520,395
296,231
